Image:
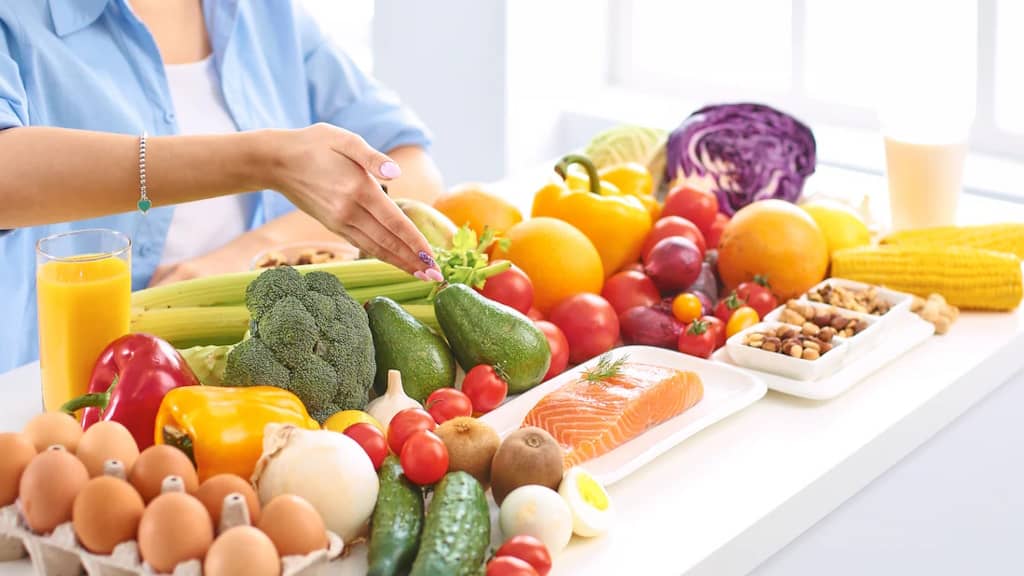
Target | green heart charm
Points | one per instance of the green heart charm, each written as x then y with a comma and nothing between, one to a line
144,205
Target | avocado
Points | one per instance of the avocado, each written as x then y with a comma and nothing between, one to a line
403,343
482,331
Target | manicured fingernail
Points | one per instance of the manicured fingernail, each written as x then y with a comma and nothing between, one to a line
435,275
390,170
426,259
421,275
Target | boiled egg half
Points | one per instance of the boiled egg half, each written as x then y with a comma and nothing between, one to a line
591,507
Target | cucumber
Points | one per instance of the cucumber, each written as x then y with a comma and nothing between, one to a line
396,524
458,529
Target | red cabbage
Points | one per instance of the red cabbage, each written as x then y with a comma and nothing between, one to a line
744,152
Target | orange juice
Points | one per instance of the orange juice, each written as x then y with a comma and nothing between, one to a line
84,304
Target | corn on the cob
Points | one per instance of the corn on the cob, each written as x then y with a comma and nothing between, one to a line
967,277
1007,237
229,289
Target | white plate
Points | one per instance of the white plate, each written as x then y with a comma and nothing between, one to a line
726,390
901,335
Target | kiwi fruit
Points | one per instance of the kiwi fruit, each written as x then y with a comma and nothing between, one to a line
471,446
527,456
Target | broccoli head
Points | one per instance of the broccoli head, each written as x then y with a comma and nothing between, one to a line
307,336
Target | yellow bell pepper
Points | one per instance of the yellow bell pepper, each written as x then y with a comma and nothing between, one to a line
221,428
629,178
615,223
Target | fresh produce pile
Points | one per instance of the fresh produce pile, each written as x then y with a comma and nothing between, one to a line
291,411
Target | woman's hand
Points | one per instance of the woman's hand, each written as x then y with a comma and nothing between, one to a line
332,174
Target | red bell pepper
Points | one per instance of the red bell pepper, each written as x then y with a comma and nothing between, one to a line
129,381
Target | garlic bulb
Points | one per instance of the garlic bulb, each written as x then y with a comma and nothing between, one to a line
392,402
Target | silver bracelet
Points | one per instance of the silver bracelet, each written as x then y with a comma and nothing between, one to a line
144,202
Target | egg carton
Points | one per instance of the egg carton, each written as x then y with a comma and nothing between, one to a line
60,554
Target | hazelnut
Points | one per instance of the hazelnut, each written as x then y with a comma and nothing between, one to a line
826,334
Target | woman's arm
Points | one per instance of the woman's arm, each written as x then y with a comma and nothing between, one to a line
55,175
420,180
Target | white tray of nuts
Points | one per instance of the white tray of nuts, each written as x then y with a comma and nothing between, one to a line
823,343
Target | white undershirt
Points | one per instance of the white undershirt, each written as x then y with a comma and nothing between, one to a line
205,225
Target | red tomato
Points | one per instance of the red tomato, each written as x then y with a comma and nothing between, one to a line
512,288
758,295
589,323
696,206
485,388
371,439
697,340
535,314
634,267
726,306
716,327
715,233
405,424
670,226
529,549
559,348
447,403
628,289
687,307
424,458
510,566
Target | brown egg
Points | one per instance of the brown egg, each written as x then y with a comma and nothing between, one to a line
212,492
48,488
293,525
175,528
106,512
51,428
242,550
16,451
158,462
106,440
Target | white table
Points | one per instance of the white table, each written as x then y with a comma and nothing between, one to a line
735,494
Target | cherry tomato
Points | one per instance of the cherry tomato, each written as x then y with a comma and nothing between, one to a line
696,206
715,233
447,403
744,317
697,340
405,424
485,388
510,566
727,306
371,439
529,549
670,226
758,295
687,307
634,267
559,348
424,458
625,290
716,327
512,288
589,323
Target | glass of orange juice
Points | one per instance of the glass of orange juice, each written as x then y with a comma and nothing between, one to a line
83,287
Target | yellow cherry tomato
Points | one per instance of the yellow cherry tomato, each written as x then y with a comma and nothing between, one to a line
342,420
744,317
687,307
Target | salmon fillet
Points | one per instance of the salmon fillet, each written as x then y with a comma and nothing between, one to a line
589,418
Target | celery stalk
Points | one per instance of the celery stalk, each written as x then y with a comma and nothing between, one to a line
229,289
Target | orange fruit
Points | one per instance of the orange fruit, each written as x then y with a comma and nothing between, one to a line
559,259
775,239
472,204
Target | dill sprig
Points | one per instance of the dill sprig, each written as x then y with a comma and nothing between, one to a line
606,368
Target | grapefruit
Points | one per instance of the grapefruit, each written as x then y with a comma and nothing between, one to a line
775,239
474,205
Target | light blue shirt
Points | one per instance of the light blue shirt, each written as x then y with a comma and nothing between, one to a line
92,65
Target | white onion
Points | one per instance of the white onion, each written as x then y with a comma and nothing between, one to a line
328,469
